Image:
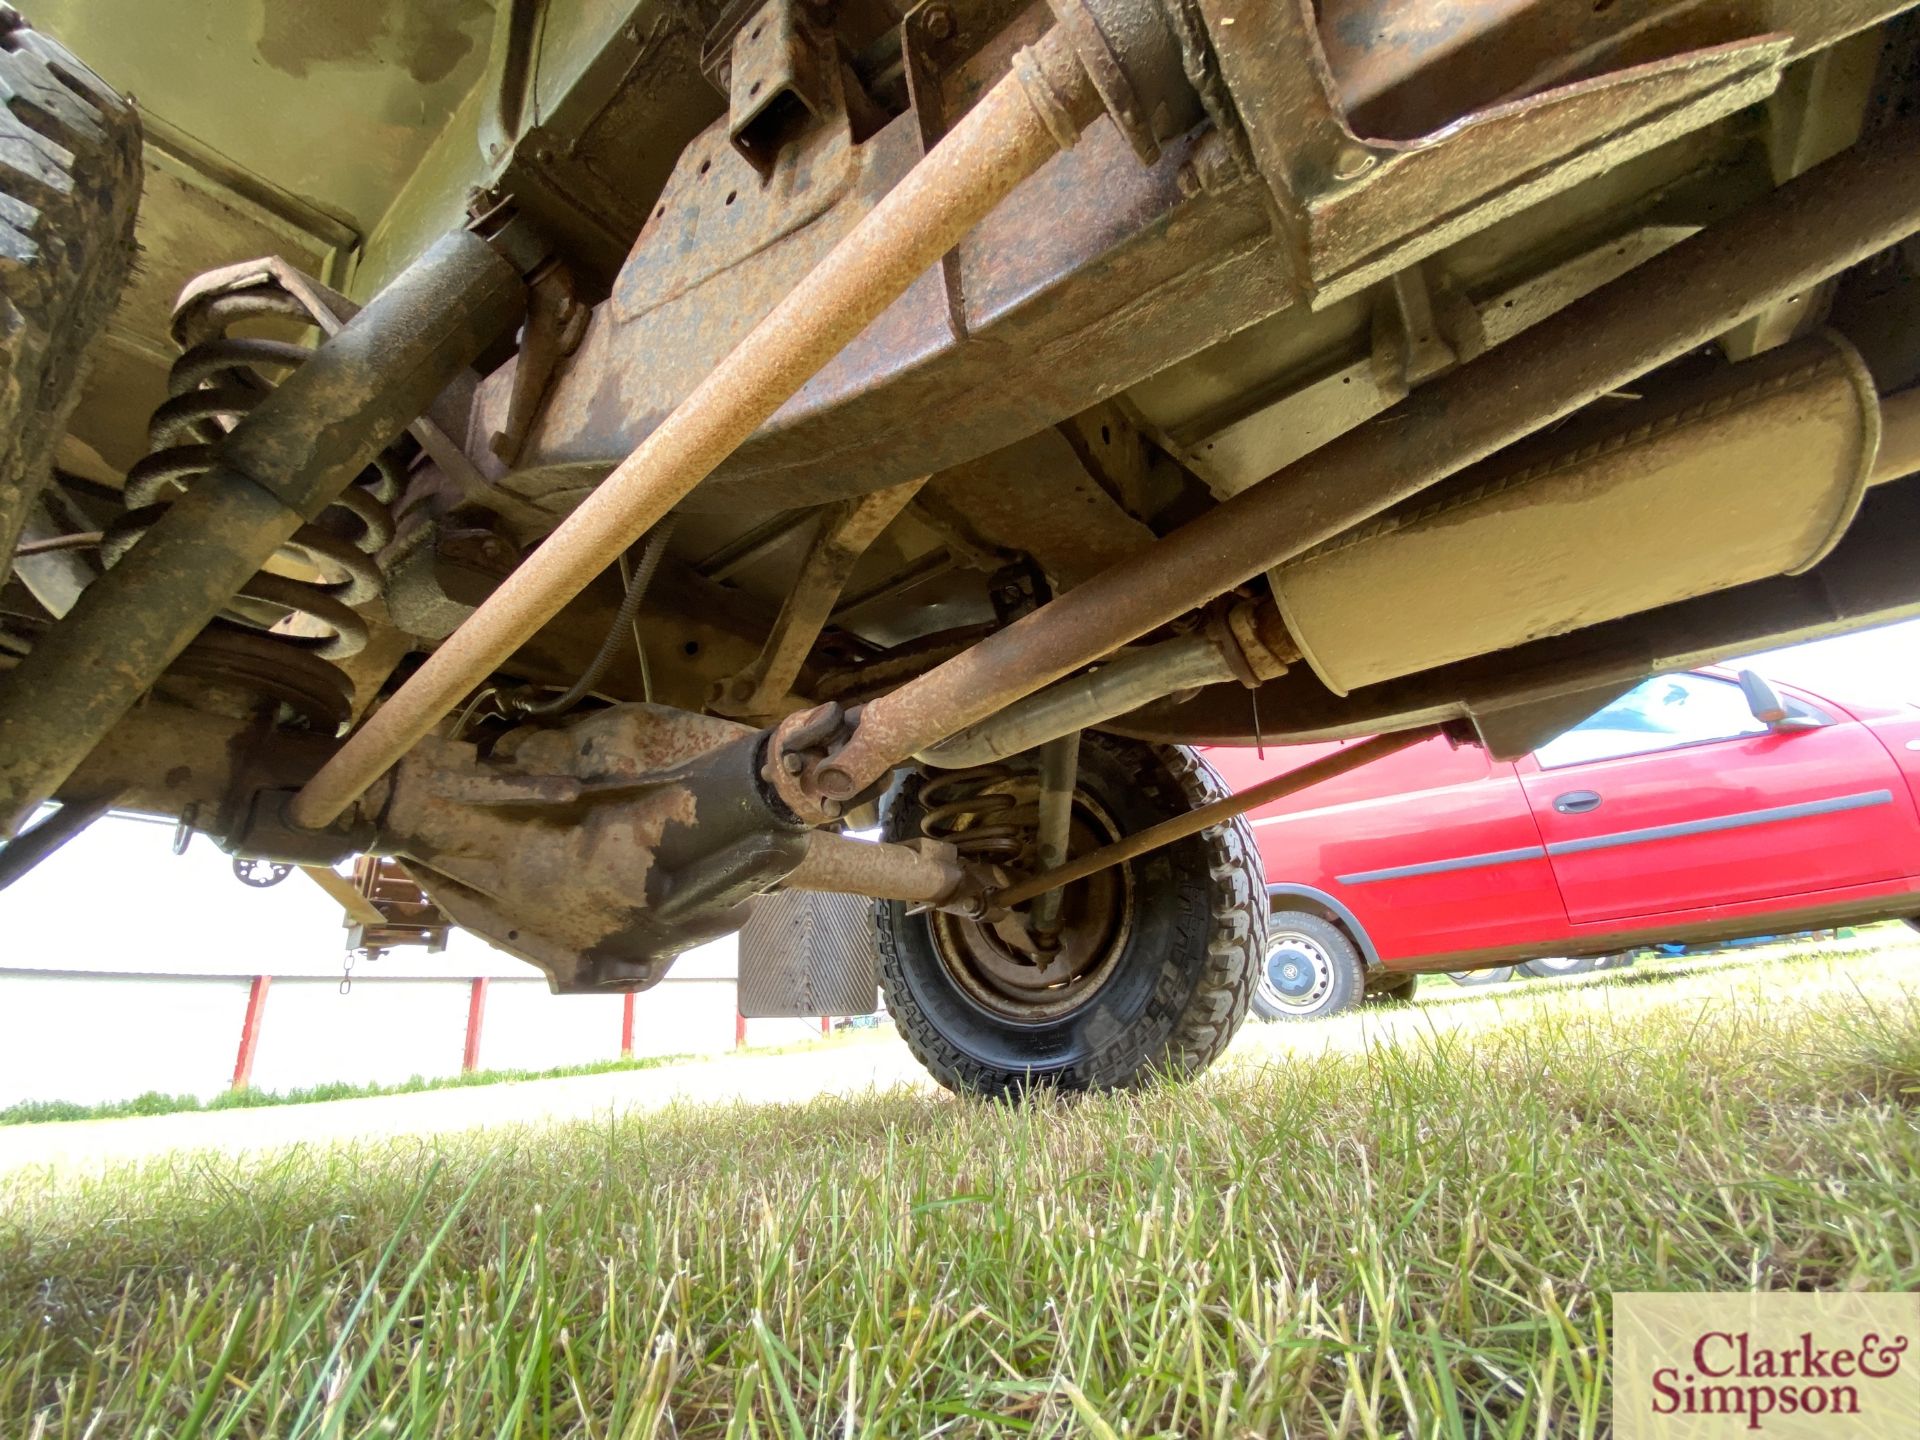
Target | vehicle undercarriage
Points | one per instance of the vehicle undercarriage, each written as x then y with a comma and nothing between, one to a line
723,428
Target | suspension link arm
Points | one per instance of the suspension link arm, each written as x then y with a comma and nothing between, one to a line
1207,816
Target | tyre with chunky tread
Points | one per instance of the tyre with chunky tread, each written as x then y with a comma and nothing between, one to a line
1182,970
1311,969
69,187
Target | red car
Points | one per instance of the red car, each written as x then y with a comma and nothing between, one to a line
1702,805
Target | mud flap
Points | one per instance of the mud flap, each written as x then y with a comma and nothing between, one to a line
809,953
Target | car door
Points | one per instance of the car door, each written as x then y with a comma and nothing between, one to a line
1431,849
1675,798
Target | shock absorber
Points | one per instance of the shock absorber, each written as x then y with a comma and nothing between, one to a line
980,813
219,378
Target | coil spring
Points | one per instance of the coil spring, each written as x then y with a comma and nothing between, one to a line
962,808
216,381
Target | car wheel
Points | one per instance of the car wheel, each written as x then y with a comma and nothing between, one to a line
1156,959
1550,967
69,186
1492,975
1311,970
1396,991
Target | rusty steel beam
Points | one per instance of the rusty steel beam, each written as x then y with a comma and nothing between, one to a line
35,843
1364,752
1034,112
843,866
1136,678
1837,214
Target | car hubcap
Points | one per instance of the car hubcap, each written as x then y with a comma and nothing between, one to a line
1297,976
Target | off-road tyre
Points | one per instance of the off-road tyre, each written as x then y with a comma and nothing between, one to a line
69,187
1335,979
1183,980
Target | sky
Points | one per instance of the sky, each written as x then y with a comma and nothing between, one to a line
1881,664
118,899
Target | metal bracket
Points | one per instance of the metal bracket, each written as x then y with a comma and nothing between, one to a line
781,74
1017,589
390,909
845,531
509,77
1356,209
1410,340
556,322
924,36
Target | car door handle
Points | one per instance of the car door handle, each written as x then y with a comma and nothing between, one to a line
1576,802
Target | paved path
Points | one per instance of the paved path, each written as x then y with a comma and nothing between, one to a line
855,1066
81,1145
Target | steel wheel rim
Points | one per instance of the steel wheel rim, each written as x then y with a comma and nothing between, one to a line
1097,914
1296,974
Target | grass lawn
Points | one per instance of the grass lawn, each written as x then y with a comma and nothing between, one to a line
1409,1234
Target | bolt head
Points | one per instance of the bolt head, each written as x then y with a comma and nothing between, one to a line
792,763
938,22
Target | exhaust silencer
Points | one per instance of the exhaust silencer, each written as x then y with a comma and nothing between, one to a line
1752,471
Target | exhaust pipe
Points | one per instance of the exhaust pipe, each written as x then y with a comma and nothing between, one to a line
1836,215
1602,519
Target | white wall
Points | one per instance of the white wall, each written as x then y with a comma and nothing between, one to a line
84,1039
124,968
382,1032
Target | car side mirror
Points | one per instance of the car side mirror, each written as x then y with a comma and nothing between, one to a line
1769,709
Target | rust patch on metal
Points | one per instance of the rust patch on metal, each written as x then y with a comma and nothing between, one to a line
1001,141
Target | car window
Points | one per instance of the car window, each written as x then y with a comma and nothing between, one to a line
1659,714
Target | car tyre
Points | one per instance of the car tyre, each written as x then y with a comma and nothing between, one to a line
1397,990
1556,967
1493,975
1311,969
1174,977
69,188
